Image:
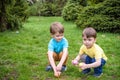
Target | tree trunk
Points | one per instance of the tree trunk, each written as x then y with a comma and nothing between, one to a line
3,21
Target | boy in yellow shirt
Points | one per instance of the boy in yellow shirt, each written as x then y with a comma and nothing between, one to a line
95,55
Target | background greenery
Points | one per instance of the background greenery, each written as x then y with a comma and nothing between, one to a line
12,14
23,52
103,15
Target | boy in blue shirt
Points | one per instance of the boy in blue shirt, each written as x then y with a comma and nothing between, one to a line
57,49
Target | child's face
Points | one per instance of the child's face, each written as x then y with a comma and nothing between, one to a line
58,36
88,42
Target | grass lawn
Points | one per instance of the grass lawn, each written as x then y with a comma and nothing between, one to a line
23,52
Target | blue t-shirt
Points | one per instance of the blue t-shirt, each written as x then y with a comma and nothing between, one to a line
57,46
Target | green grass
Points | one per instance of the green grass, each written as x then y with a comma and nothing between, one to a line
23,54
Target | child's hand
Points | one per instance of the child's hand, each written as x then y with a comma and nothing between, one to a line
58,68
57,74
74,62
83,66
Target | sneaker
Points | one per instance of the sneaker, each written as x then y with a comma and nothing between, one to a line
97,75
85,71
48,68
64,68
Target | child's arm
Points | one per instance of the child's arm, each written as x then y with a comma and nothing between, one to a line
77,57
50,57
92,65
76,60
52,62
64,56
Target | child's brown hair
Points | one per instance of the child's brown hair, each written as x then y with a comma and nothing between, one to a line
56,27
89,32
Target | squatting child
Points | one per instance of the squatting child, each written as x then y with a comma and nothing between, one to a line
95,56
57,49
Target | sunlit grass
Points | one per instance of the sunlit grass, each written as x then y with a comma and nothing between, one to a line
23,53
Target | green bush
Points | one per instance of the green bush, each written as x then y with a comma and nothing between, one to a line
103,23
48,8
20,10
14,21
71,11
103,17
12,14
96,1
111,8
34,10
80,2
86,13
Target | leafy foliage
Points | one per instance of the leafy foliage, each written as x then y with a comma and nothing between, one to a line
111,8
103,17
48,7
96,1
13,12
72,9
20,9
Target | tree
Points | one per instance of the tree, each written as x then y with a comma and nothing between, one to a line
104,16
12,13
72,9
48,7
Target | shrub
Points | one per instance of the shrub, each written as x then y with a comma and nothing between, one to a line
103,23
14,21
12,14
103,17
48,8
87,13
111,8
71,11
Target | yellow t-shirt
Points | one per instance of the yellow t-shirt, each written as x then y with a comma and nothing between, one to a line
94,52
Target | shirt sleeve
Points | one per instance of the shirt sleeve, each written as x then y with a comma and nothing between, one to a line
65,44
50,46
98,54
81,50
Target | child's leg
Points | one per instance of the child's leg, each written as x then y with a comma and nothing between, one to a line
55,57
98,70
83,57
87,61
60,56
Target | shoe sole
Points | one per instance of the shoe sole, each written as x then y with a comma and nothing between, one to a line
99,75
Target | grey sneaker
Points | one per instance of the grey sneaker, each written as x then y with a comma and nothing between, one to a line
48,68
64,68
